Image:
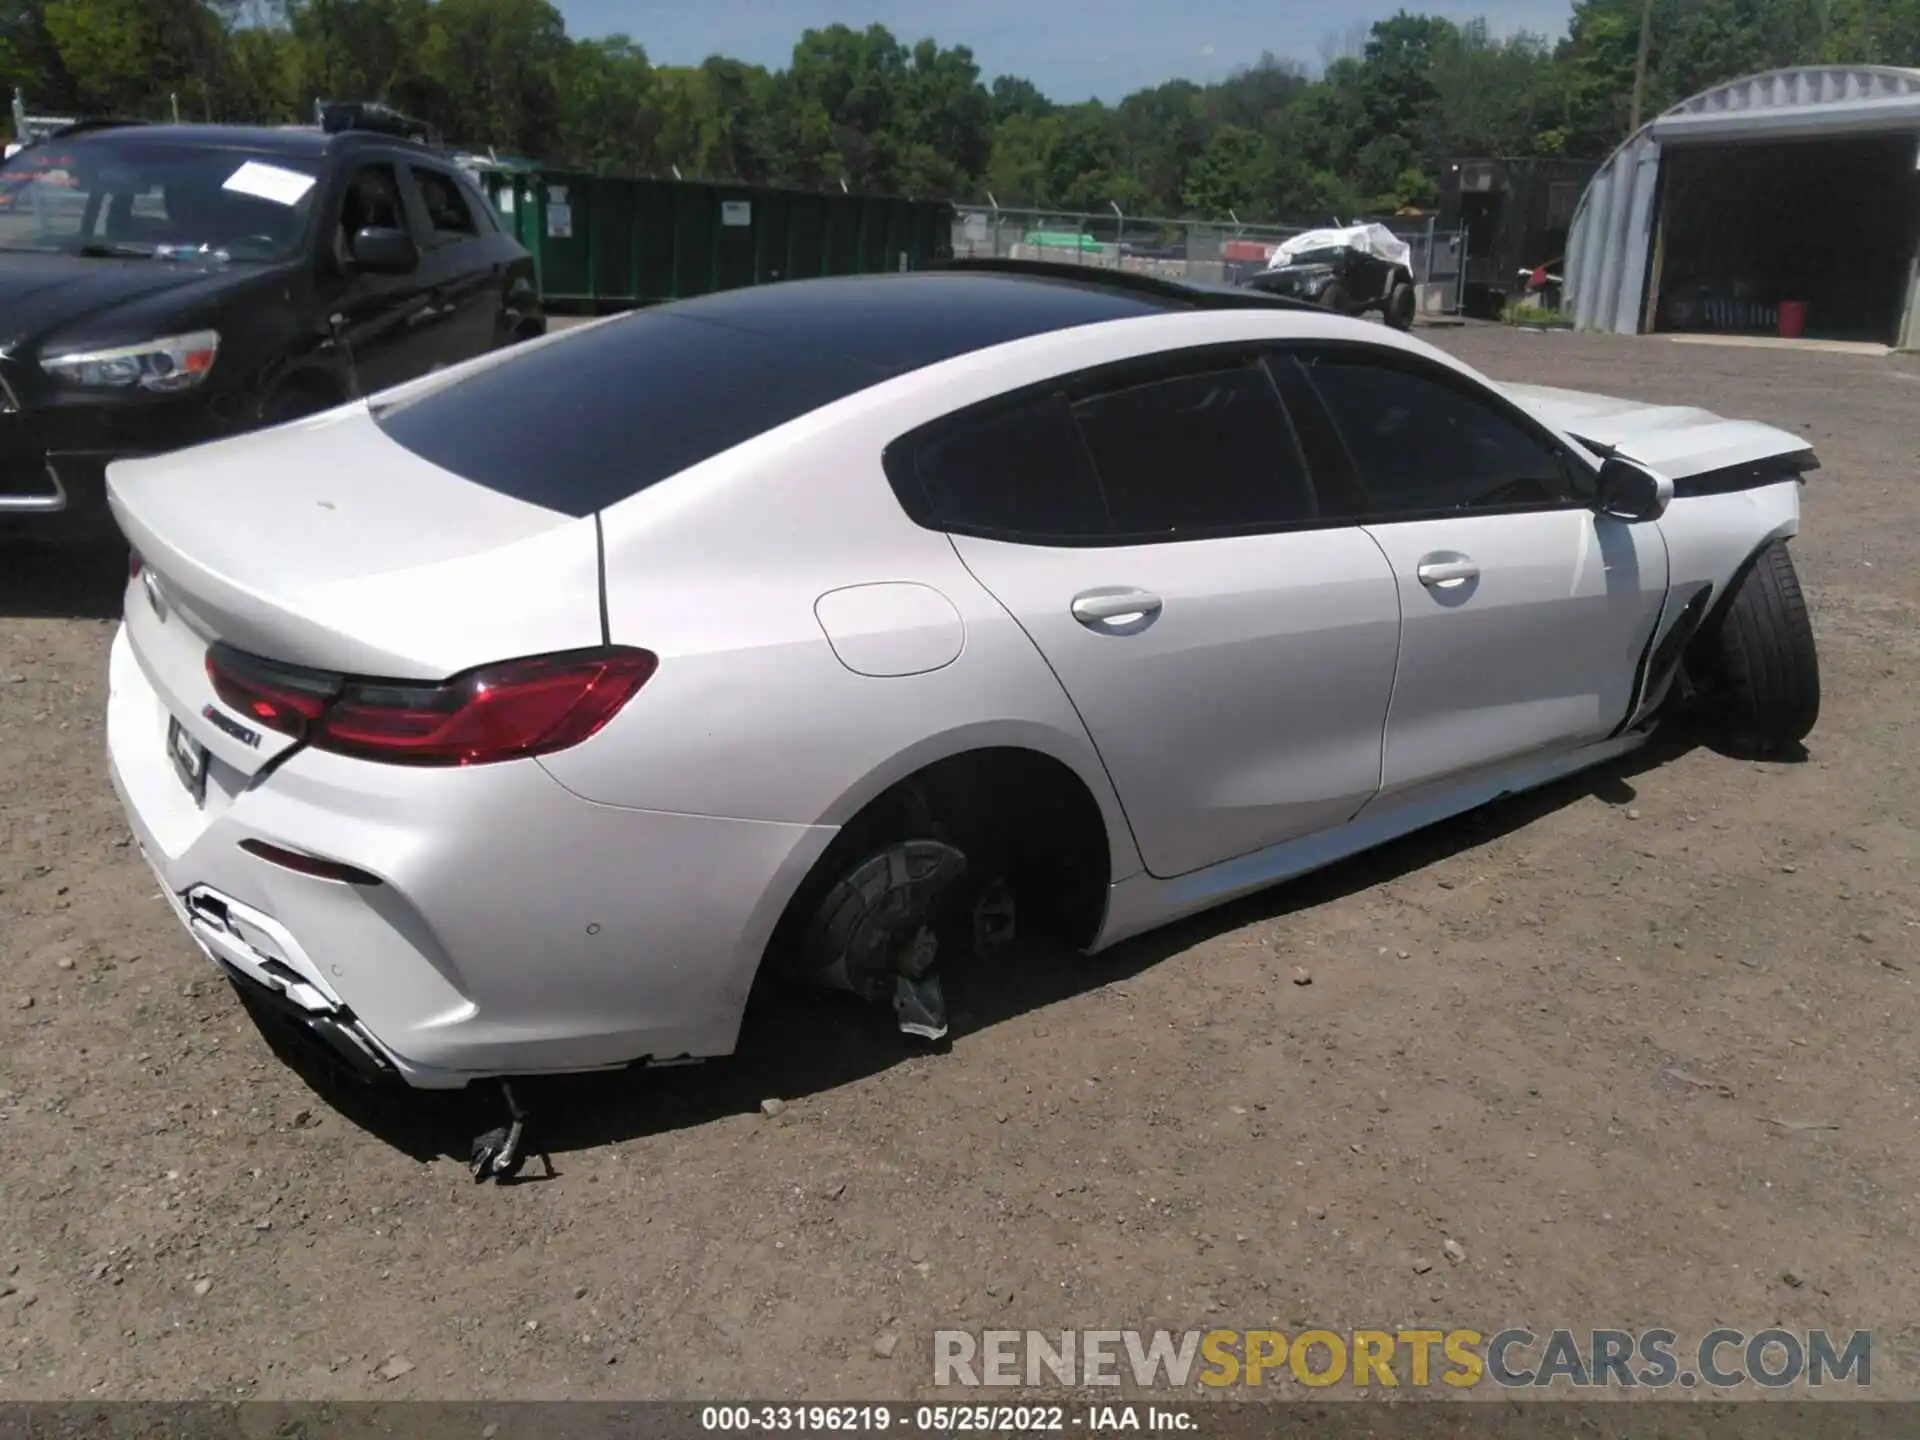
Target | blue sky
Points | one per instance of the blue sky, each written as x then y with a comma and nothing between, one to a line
1072,49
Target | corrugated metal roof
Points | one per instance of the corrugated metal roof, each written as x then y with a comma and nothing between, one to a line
1612,226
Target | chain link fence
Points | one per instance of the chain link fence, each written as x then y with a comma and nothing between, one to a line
1204,251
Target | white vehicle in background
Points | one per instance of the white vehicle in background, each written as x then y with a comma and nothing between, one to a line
517,720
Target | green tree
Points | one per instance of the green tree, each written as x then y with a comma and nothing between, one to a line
610,119
1010,96
492,68
1233,174
1085,164
126,55
944,121
1164,131
1017,173
361,50
1493,96
1396,101
853,80
1875,32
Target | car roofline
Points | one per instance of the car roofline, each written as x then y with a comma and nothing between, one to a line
86,125
1179,292
213,133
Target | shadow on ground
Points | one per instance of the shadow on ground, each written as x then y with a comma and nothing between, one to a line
61,582
807,1042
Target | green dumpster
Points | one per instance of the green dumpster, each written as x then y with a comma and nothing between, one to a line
609,242
509,184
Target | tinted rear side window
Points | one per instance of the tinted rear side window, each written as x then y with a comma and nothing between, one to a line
1015,472
1197,453
588,421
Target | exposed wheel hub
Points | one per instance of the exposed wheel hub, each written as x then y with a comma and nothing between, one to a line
877,932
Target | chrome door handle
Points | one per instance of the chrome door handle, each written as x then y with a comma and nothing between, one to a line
1098,607
1446,574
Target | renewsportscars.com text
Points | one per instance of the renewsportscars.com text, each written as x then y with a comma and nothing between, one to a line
1512,1358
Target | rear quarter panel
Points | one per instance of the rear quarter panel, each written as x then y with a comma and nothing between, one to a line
752,715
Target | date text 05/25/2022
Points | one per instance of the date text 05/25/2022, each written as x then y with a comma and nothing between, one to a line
1100,1419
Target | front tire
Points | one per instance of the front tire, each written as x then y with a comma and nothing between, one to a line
1760,660
1400,306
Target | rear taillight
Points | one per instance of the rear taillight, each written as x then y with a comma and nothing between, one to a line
134,563
279,697
498,712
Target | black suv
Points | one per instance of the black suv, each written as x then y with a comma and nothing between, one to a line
1350,281
162,285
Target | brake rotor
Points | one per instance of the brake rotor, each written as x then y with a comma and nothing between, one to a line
869,929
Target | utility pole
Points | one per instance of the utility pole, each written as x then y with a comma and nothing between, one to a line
1640,64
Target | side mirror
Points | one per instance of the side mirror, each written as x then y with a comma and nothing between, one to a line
1631,492
380,251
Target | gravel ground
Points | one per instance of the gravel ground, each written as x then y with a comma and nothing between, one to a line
1642,1046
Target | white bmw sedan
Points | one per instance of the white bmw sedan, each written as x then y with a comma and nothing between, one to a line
513,721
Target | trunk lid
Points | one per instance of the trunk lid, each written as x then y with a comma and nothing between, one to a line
325,545
1679,441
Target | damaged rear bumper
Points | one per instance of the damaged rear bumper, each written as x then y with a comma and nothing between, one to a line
503,926
336,1036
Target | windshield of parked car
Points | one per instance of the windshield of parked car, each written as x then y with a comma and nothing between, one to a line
120,192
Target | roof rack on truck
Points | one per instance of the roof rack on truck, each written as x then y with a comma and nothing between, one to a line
336,116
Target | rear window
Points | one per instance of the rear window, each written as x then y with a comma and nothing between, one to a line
1197,453
586,422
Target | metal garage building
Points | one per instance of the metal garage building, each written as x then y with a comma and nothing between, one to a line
1785,199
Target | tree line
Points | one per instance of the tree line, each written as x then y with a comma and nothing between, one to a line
1368,131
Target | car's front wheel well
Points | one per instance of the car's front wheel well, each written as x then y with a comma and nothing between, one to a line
1011,811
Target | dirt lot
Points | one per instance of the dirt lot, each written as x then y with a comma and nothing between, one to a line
1564,1033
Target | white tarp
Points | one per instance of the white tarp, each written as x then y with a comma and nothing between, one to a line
1374,240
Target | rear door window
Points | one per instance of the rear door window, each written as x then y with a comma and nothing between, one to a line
1155,453
1207,452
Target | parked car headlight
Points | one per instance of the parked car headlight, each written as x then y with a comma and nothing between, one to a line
173,362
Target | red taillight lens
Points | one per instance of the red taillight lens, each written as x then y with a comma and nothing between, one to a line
280,697
134,562
500,712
